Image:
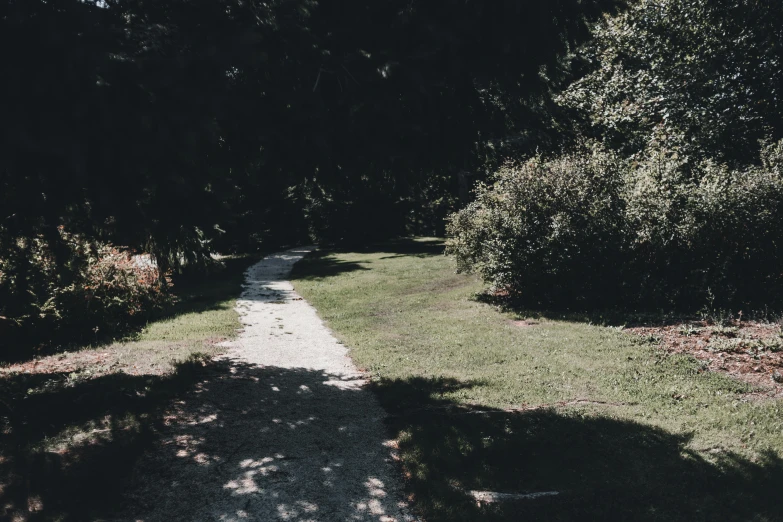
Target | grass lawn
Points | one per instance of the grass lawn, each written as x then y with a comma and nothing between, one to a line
481,401
73,424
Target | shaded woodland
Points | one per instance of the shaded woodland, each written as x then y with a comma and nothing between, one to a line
185,128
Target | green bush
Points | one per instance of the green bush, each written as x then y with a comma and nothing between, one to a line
70,289
551,231
706,236
701,76
591,230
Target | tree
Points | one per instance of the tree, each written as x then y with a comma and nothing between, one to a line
167,126
702,77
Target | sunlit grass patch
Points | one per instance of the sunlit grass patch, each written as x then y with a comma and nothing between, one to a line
478,401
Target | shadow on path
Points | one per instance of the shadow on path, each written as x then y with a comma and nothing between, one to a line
243,442
223,440
265,443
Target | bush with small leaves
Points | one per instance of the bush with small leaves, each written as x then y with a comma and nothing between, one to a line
590,230
551,231
71,289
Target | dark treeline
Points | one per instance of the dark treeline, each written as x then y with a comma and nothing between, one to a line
146,122
182,127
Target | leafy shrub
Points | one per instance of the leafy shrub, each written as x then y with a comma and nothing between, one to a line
73,289
708,235
552,230
588,229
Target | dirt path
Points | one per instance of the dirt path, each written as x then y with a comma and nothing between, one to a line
282,430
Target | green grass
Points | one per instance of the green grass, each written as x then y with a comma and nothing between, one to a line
202,317
73,424
205,307
622,430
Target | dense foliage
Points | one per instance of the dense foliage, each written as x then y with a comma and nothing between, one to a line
702,77
590,229
183,126
81,292
685,211
177,127
155,124
551,229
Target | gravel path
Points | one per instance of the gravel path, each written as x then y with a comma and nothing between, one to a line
283,429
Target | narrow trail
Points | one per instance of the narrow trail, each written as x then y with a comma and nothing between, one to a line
283,429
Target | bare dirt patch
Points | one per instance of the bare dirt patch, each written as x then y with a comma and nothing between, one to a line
134,358
749,351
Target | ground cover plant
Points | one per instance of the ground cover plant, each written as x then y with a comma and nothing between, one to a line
485,400
74,422
66,289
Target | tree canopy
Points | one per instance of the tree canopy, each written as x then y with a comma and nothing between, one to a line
702,77
178,127
141,121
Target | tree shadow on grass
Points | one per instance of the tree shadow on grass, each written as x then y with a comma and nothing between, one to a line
598,316
233,440
67,448
402,247
601,468
422,247
320,265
